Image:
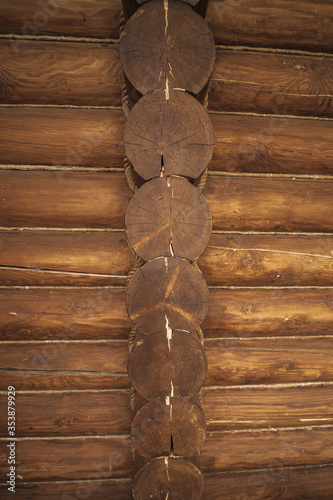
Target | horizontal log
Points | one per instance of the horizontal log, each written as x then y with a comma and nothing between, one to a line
242,143
78,258
51,414
46,365
256,260
79,18
99,200
60,73
74,314
242,81
70,414
285,483
298,25
305,24
66,459
35,136
272,144
62,258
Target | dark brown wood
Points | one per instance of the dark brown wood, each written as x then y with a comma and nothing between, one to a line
70,314
69,74
158,428
35,136
156,361
156,42
267,407
169,136
70,414
168,217
167,293
305,24
261,312
174,478
64,258
243,143
284,483
289,360
242,81
272,144
79,18
263,260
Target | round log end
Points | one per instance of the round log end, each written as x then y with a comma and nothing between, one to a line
172,136
173,478
168,217
167,45
167,363
167,293
170,425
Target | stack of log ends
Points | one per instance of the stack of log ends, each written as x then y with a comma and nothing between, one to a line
168,217
174,478
169,425
160,364
169,136
167,294
167,45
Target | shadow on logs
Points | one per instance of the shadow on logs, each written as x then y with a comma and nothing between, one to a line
167,293
159,365
169,136
164,475
167,45
168,217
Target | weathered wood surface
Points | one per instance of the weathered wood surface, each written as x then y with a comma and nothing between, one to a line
272,83
167,46
174,136
104,259
282,483
241,81
64,258
242,143
97,314
68,73
224,451
43,414
288,483
78,18
301,25
257,260
35,136
70,414
168,217
272,144
99,200
231,362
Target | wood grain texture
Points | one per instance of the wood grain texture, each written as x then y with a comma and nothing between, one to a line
257,260
272,83
272,144
305,24
35,136
221,452
80,18
99,200
268,407
70,414
168,217
242,143
283,483
255,312
69,73
48,258
78,314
